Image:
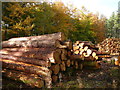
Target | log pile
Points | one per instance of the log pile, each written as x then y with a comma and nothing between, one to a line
36,59
110,45
85,53
39,60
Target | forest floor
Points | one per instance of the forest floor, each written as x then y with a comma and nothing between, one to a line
108,76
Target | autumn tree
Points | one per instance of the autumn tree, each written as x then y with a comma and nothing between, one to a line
26,19
17,20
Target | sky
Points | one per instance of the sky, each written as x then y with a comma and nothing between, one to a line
105,7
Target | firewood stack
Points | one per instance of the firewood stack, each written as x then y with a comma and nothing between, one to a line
110,45
85,53
111,49
36,60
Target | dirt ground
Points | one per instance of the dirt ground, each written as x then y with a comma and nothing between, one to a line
108,76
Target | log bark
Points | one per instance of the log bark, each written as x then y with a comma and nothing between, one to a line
29,68
91,64
90,58
59,45
62,66
63,54
69,44
72,62
54,78
104,56
47,40
75,57
68,63
41,62
56,36
29,79
55,69
48,54
76,65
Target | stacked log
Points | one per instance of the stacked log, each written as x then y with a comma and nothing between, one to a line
85,53
110,45
43,57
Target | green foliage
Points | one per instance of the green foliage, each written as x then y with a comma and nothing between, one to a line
113,27
26,19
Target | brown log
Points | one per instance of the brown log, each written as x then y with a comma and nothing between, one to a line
76,43
29,79
64,54
69,44
102,53
90,58
48,54
91,64
55,69
74,57
110,45
62,66
23,49
68,63
56,36
69,53
29,68
47,40
104,56
45,63
54,78
117,62
76,65
81,66
72,62
59,45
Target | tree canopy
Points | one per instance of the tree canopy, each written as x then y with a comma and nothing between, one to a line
28,19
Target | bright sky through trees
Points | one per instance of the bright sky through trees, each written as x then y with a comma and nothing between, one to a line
105,7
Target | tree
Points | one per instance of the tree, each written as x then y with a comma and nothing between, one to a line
17,20
112,25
